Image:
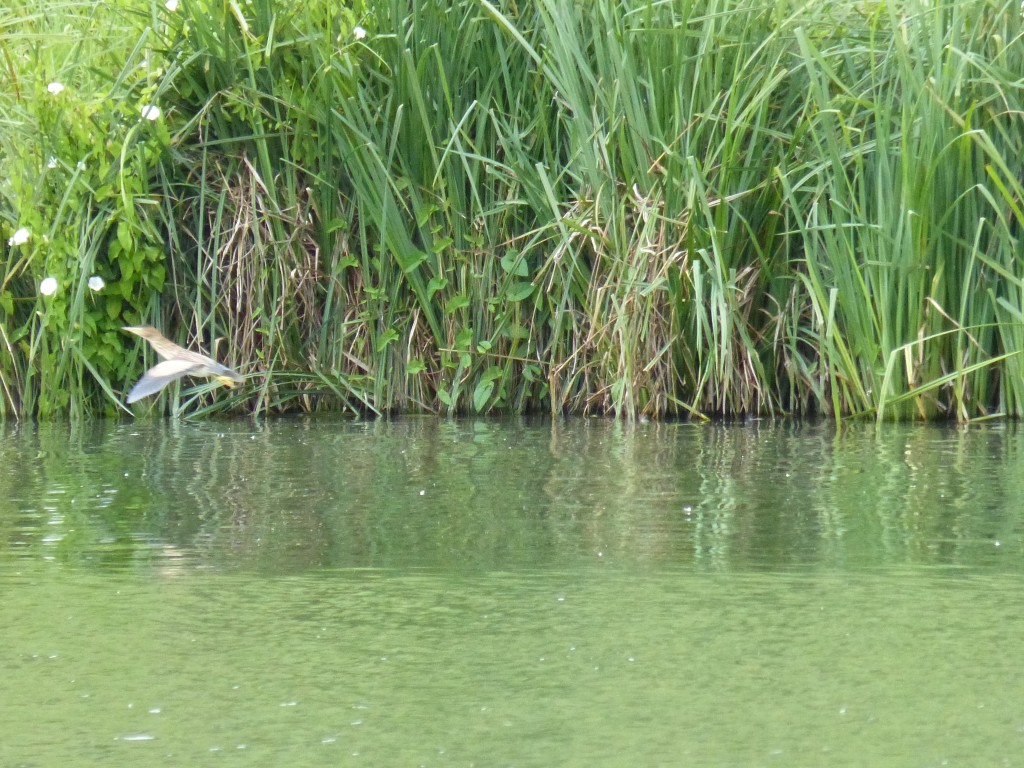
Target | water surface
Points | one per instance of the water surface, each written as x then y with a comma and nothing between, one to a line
510,593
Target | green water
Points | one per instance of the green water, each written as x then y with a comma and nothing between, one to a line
431,593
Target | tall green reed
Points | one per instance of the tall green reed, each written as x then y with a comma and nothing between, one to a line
895,216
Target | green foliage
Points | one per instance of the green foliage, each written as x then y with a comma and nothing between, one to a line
617,206
77,155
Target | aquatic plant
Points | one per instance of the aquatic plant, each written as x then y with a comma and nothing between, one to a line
616,206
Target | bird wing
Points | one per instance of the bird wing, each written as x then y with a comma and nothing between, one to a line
159,376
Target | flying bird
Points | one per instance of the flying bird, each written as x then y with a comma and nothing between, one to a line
176,363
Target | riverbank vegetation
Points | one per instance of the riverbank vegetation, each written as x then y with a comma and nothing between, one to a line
484,206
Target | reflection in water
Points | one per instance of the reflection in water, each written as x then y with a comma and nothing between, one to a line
427,592
293,495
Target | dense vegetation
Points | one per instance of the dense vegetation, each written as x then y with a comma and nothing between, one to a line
623,206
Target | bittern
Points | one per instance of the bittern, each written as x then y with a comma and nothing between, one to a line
177,362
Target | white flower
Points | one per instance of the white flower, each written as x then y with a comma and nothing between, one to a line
20,237
151,112
171,5
52,162
358,33
55,87
96,283
49,286
80,165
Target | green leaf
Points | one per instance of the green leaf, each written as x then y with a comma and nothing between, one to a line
444,396
382,341
424,213
514,263
456,302
156,276
436,284
108,355
519,291
515,331
441,244
464,338
114,305
124,235
481,394
410,260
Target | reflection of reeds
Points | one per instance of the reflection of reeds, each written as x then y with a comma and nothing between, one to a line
479,495
624,207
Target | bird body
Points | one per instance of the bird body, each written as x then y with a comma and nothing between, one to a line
176,363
